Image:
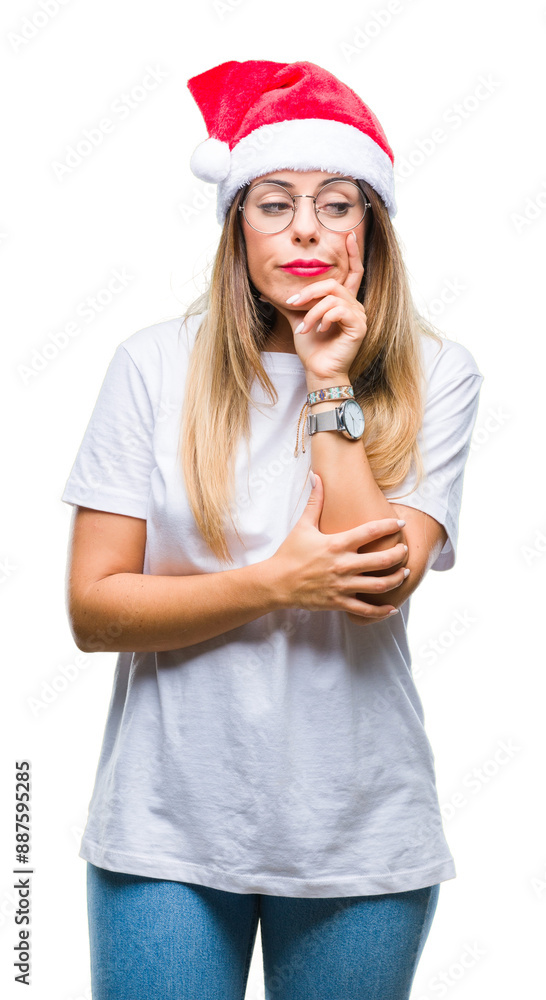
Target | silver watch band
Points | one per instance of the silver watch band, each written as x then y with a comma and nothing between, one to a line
325,420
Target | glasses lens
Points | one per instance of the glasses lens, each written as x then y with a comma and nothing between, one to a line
340,205
269,208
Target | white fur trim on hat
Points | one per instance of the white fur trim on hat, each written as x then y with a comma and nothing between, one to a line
307,144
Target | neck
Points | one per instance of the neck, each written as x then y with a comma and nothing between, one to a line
281,337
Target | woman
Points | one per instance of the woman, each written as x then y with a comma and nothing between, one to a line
264,756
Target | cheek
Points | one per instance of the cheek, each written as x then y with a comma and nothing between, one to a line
339,252
254,256
260,262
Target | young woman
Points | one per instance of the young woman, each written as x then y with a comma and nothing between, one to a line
262,485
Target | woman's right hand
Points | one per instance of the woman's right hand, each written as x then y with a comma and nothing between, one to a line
321,572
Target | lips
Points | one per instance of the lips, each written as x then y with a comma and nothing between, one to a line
307,263
306,268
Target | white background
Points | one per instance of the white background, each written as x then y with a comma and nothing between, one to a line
472,214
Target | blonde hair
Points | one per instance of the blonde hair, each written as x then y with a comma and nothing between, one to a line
386,374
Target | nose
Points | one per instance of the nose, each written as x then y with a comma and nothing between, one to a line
305,224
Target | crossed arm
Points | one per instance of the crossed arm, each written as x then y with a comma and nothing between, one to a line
113,606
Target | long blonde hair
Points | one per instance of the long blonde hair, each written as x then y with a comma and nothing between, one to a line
386,373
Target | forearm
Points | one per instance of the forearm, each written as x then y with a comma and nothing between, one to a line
351,494
143,613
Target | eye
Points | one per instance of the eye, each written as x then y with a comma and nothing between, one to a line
268,200
334,207
274,207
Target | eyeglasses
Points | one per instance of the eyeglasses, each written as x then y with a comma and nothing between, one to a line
270,208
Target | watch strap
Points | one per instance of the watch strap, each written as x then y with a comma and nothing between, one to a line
326,420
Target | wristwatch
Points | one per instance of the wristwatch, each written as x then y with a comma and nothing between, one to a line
347,418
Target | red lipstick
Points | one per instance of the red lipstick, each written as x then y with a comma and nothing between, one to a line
306,267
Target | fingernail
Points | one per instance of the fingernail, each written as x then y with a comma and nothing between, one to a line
400,524
299,328
353,234
393,612
313,479
293,298
406,572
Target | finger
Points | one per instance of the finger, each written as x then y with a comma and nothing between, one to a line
368,621
378,584
316,314
371,562
368,612
369,531
334,315
356,267
316,290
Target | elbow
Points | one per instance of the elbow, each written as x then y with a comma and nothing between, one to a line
86,618
75,625
85,633
87,641
79,640
94,642
93,637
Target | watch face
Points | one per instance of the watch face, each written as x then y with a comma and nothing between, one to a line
353,418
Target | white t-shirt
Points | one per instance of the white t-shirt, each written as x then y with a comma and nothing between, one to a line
287,756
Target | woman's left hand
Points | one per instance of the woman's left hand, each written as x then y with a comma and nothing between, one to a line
330,350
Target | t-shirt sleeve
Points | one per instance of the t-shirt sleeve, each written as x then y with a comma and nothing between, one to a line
115,460
445,437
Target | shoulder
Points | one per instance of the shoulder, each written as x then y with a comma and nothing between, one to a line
161,344
447,361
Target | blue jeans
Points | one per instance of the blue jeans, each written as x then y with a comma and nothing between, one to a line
156,939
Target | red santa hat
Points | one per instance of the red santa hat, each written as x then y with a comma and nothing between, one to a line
263,116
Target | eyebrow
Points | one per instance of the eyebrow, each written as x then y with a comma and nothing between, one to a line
288,184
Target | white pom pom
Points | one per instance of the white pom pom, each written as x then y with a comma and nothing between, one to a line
211,160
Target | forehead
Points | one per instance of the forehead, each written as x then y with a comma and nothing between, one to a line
300,179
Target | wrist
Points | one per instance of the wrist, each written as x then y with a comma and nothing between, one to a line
315,382
325,381
274,580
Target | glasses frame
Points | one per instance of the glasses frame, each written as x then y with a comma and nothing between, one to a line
334,180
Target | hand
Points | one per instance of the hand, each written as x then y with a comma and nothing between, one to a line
330,351
320,572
